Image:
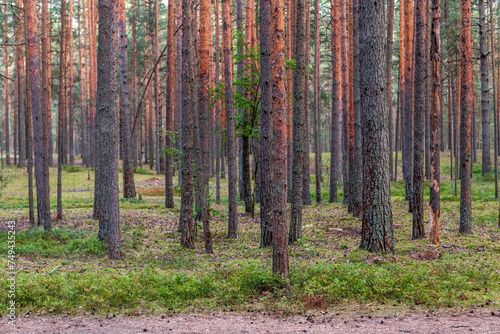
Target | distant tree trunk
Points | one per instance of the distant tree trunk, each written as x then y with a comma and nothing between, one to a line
71,102
280,248
83,116
29,145
495,97
128,171
204,104
306,191
218,118
298,124
466,105
388,64
136,155
401,85
156,87
436,110
377,231
21,92
62,106
186,218
419,123
335,138
427,144
485,99
7,90
317,159
357,176
266,129
39,116
227,37
407,104
347,122
169,116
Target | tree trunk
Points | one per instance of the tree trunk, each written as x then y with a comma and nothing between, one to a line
298,124
306,190
128,171
83,116
21,92
39,115
419,123
427,144
71,102
169,115
495,97
485,98
204,104
466,105
317,56
435,129
377,231
280,248
7,90
388,64
347,148
62,106
186,218
336,131
227,37
266,127
218,118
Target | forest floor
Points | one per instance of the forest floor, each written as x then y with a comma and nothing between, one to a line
67,272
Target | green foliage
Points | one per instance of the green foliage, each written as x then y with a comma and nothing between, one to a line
73,169
144,171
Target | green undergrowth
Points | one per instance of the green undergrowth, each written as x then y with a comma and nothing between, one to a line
67,270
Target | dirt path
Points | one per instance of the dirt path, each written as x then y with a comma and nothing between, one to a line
485,322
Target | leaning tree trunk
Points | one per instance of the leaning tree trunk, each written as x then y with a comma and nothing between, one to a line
466,105
377,231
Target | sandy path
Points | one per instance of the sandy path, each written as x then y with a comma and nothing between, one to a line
476,322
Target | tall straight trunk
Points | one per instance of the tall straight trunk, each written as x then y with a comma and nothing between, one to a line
347,121
39,115
377,231
401,84
87,89
419,122
108,124
128,169
83,116
204,105
466,105
288,85
239,69
485,98
227,37
495,96
317,56
47,84
357,176
178,126
62,106
169,115
156,88
280,248
21,93
29,142
71,102
7,91
306,190
436,110
427,170
407,104
388,64
218,119
186,218
136,155
335,138
266,129
298,123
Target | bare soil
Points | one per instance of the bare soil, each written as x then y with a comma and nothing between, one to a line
476,322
